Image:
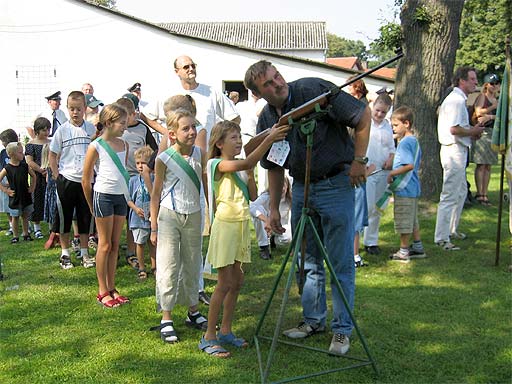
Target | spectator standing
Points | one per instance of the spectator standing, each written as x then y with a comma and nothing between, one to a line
454,134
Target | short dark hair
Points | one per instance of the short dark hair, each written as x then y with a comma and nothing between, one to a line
461,73
41,123
253,72
9,136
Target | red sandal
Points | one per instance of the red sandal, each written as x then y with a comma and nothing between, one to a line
120,299
112,303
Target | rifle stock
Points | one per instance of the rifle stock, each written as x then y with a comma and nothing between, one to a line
295,114
309,107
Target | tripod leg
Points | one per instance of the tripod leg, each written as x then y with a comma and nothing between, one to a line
341,293
297,235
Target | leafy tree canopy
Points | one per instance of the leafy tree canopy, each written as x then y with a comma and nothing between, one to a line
341,47
485,24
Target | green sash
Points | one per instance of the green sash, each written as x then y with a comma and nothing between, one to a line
185,166
115,159
211,167
398,183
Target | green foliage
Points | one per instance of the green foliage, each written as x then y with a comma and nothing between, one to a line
422,15
341,47
484,26
384,47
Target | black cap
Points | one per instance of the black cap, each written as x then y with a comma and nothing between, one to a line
134,99
134,87
54,96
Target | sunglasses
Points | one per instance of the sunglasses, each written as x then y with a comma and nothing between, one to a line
494,83
186,67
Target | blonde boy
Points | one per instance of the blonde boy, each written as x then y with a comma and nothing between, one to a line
405,184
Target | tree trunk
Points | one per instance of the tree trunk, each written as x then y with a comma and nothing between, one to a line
430,31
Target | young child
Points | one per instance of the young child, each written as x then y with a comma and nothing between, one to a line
188,103
230,239
110,199
19,189
405,185
260,209
69,144
33,155
6,137
175,223
380,152
137,135
141,187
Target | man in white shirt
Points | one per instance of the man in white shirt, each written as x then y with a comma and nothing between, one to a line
454,134
212,106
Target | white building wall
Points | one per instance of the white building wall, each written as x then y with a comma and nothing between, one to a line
86,44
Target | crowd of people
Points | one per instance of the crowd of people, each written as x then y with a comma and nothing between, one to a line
172,172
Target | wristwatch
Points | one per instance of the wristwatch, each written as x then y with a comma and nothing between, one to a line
361,159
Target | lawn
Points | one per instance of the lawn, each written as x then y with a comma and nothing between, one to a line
444,319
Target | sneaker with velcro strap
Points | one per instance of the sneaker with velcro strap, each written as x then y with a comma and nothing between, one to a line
196,321
88,261
417,254
447,246
65,262
303,330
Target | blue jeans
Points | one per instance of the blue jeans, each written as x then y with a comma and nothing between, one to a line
331,204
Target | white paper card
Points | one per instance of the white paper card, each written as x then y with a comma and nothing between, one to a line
279,152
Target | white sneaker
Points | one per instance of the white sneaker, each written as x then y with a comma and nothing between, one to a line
447,246
303,330
340,344
458,236
65,262
88,261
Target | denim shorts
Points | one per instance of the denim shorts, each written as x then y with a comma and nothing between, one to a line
105,204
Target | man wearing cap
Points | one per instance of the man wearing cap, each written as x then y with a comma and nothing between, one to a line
93,104
454,134
54,114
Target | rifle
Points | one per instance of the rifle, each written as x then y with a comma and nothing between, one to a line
309,107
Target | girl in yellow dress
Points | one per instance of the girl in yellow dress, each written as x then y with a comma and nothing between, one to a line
230,242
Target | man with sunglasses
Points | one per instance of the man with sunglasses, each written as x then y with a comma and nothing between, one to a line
211,104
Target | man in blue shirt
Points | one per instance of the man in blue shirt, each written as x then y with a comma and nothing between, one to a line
338,165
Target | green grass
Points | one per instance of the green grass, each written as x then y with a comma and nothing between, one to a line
445,319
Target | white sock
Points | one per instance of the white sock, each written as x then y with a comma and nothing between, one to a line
84,252
65,252
37,227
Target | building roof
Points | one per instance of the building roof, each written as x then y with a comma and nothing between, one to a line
265,35
351,62
390,73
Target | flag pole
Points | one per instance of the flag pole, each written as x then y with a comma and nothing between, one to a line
502,171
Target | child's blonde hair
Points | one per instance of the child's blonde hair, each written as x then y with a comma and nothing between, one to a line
111,113
12,147
219,133
77,96
144,153
173,118
127,104
176,102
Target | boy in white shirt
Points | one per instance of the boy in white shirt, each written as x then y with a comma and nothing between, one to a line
69,144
